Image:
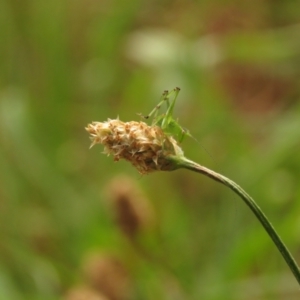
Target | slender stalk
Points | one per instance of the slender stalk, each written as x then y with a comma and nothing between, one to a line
185,163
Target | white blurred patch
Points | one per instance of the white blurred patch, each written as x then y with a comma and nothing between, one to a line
159,48
154,47
206,51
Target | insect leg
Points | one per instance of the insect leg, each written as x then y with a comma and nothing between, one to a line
171,105
157,107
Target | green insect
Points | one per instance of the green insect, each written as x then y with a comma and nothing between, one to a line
166,121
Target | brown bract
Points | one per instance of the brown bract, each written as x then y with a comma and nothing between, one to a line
146,147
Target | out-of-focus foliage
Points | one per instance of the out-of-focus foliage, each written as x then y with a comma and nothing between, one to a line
70,226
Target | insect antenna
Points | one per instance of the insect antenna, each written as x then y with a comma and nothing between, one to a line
187,132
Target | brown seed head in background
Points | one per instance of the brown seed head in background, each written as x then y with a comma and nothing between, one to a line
107,275
133,211
83,293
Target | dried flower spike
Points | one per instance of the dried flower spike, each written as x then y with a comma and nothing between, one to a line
146,147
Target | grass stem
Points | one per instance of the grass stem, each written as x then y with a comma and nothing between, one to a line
185,163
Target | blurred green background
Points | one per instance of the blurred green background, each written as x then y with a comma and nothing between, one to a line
71,227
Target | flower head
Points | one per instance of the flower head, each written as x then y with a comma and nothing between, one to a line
132,209
146,147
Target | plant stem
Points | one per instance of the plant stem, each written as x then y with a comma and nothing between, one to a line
185,163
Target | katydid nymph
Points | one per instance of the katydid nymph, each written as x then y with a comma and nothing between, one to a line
165,121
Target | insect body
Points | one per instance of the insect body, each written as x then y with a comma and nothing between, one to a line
166,121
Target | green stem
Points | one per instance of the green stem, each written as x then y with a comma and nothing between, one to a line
182,162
